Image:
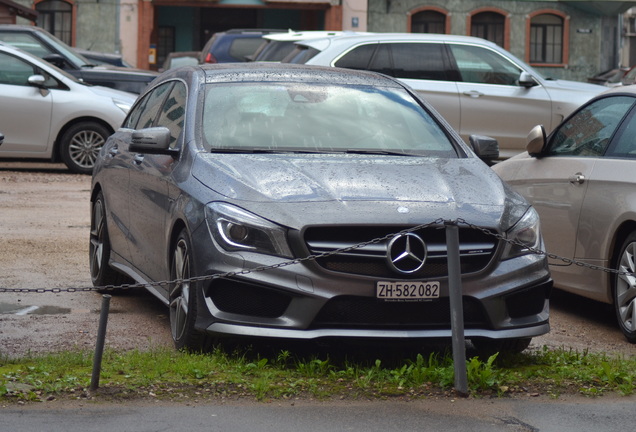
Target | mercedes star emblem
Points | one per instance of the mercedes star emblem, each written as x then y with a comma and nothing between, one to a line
406,253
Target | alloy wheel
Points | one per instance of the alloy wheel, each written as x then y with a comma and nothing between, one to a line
180,290
626,289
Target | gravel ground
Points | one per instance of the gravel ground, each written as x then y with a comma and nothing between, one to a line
44,232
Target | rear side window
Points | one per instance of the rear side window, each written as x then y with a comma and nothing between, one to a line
358,58
300,55
399,60
243,47
419,61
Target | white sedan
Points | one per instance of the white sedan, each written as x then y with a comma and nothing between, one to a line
581,181
46,113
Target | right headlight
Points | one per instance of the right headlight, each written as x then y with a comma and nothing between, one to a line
524,236
236,229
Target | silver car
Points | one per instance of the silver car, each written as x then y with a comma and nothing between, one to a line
477,86
46,113
284,201
581,181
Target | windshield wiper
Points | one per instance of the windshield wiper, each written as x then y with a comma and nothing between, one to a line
379,152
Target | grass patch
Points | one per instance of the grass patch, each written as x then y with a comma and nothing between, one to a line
263,375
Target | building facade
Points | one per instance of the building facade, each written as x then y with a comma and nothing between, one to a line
563,39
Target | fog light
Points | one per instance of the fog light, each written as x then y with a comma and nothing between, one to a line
237,232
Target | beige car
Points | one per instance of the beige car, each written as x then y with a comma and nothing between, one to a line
581,181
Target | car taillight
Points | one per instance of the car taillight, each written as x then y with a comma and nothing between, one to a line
210,58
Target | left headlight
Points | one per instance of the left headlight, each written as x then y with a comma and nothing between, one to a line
236,229
524,236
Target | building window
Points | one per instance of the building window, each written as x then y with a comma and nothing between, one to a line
428,21
546,39
56,17
489,26
165,43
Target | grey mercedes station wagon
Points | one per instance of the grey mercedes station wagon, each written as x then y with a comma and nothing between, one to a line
302,202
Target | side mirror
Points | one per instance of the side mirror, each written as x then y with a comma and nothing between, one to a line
56,60
152,141
486,148
526,80
536,141
36,81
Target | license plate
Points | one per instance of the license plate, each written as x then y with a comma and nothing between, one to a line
407,291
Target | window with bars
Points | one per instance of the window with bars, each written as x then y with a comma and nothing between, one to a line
428,22
546,39
489,26
56,17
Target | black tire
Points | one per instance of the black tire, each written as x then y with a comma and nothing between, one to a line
624,289
183,297
80,145
99,248
488,347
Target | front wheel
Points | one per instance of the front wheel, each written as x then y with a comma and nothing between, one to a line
183,297
99,248
81,144
624,288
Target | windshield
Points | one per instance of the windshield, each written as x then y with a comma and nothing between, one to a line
319,118
71,56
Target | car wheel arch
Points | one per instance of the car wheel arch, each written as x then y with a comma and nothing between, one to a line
57,151
621,233
177,227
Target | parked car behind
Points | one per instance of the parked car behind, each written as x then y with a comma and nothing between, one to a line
581,180
478,87
41,43
629,77
276,46
236,167
234,45
102,58
46,113
180,58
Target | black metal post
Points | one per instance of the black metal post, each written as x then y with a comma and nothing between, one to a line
101,337
456,308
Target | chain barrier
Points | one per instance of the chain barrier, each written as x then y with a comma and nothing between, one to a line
438,222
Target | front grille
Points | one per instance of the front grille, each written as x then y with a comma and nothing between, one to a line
476,250
235,296
370,313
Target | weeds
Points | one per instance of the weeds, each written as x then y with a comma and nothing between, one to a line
284,374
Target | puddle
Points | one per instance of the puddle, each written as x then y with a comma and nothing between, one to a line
18,309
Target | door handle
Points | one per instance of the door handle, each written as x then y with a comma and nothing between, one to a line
473,93
577,178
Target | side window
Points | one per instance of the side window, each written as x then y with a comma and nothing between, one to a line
173,112
144,113
357,58
589,131
25,42
624,145
419,61
14,71
481,65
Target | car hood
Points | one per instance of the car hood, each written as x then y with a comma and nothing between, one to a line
311,189
590,89
113,93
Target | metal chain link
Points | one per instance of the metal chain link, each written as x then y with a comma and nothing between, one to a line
440,222
540,252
